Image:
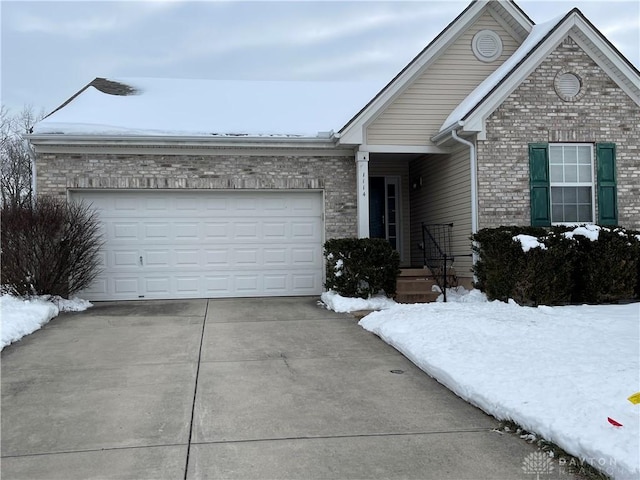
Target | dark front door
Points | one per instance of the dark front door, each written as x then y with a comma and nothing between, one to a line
383,209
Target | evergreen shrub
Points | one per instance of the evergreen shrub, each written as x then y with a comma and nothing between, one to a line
567,267
361,267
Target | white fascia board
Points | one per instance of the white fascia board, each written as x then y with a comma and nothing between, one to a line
180,141
56,144
354,131
612,63
515,13
445,135
403,149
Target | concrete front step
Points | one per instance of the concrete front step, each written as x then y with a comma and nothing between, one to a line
416,297
415,285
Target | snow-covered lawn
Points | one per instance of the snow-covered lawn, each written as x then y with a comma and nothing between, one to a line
560,372
20,317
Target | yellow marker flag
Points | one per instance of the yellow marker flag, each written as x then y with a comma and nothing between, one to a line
635,398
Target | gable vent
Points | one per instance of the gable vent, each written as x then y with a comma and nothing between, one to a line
568,86
486,45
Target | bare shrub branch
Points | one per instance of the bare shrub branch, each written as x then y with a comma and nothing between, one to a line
49,247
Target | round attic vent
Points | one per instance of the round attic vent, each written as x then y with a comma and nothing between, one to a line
568,85
486,45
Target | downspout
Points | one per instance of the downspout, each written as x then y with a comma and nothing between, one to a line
474,184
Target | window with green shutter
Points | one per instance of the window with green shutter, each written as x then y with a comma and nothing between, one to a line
607,189
539,184
563,183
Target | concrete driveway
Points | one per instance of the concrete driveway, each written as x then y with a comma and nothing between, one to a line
234,388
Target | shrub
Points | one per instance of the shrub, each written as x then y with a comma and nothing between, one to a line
567,268
607,269
49,247
361,267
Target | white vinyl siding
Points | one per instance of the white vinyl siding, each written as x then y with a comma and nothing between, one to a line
204,244
418,112
445,197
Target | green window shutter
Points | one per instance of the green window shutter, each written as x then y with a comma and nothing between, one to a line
607,189
539,184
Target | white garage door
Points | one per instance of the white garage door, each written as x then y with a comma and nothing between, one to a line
168,244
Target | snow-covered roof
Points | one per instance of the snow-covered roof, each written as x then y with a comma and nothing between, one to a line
180,107
538,33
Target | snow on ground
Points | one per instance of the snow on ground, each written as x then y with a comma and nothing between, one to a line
341,304
19,317
560,372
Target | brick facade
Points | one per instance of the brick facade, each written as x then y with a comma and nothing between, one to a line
535,113
334,175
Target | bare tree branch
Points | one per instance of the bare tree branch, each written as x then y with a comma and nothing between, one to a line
15,156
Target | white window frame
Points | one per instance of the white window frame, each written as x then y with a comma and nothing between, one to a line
591,184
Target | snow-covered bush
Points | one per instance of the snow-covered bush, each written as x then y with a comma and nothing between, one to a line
49,247
514,263
361,267
560,265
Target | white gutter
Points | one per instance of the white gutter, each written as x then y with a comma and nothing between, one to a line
184,141
474,179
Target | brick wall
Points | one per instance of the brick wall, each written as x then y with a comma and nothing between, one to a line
535,113
335,175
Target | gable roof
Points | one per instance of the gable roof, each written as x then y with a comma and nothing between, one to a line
510,14
543,39
231,109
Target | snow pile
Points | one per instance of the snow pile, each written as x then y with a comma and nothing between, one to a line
560,372
589,231
461,294
340,304
21,317
528,242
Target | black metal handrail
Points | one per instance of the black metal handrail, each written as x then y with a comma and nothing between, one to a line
436,252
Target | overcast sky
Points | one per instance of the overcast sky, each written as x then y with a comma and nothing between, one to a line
51,49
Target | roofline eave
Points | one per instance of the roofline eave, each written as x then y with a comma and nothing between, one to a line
41,139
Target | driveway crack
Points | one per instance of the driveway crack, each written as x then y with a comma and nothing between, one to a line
195,392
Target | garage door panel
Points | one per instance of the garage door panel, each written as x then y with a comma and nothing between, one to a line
190,244
190,285
124,231
217,231
275,256
217,258
124,258
187,231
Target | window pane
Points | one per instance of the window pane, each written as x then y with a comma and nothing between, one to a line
391,190
584,213
555,154
570,213
556,213
584,173
584,155
570,195
584,195
570,173
556,195
556,173
570,155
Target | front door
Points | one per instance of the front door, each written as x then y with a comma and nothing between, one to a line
384,209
